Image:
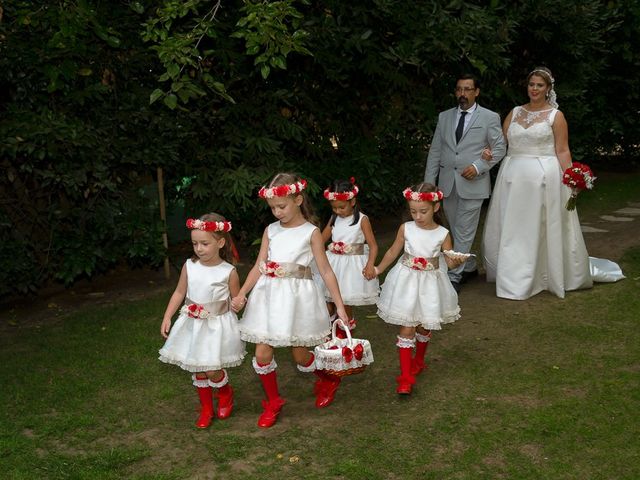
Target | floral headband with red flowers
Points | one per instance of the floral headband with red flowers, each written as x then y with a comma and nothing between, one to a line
283,190
422,196
205,226
343,196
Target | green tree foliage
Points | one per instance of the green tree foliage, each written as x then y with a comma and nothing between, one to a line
223,94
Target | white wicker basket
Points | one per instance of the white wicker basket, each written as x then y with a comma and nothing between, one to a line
343,356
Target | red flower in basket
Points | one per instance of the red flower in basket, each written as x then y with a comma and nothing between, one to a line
577,177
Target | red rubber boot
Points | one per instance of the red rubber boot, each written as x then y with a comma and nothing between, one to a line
325,388
406,379
224,394
205,393
273,404
422,344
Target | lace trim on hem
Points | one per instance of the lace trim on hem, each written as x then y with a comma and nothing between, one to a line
200,382
428,324
422,338
356,302
286,341
222,382
202,368
403,342
264,369
310,368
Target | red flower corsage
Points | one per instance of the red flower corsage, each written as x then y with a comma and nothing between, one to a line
339,248
272,269
419,263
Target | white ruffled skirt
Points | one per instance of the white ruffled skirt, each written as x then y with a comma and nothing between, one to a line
414,298
354,288
285,312
198,345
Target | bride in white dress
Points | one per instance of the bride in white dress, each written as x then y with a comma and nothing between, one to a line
531,242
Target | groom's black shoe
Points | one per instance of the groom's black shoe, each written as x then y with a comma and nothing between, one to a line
466,276
456,286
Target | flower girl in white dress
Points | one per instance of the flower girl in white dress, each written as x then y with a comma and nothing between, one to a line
417,294
286,307
205,339
352,251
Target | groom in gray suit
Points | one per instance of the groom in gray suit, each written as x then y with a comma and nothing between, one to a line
455,162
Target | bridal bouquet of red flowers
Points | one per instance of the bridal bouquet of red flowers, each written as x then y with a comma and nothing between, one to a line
577,177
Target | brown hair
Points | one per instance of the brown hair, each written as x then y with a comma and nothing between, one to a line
544,73
306,208
425,187
226,252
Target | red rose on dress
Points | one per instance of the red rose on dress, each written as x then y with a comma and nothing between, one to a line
419,263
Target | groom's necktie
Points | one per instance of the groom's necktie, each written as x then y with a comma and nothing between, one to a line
460,127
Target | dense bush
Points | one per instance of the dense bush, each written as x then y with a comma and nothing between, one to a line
97,95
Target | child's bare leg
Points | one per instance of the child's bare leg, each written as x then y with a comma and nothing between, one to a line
264,353
302,356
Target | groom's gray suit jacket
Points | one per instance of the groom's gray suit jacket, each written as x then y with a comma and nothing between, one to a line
447,160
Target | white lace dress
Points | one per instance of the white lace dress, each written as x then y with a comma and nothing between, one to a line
412,297
354,288
287,311
531,241
212,343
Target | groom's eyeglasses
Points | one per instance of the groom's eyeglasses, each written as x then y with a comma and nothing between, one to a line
464,89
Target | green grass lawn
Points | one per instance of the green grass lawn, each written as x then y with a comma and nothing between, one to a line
540,389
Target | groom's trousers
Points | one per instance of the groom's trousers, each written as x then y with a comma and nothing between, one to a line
463,215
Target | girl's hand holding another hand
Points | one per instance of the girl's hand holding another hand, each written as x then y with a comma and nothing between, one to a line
238,303
369,272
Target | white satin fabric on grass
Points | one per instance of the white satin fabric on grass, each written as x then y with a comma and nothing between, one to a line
531,242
